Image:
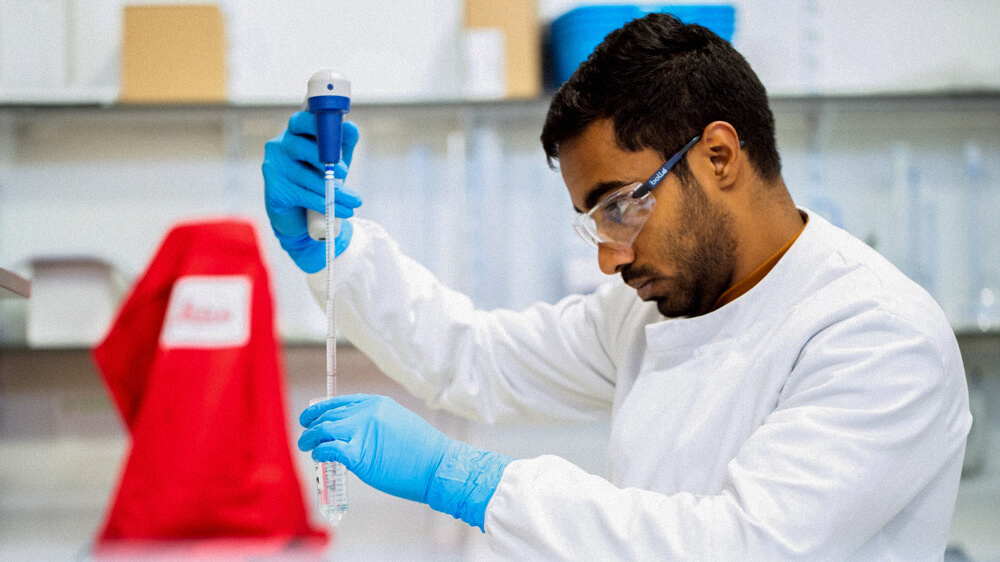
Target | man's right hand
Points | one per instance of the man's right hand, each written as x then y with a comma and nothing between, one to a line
293,182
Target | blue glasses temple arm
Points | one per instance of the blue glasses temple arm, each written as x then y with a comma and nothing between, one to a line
654,181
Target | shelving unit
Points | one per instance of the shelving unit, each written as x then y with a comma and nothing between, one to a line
104,169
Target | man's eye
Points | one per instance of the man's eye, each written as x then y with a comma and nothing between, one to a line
616,211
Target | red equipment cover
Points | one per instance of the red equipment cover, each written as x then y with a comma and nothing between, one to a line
193,366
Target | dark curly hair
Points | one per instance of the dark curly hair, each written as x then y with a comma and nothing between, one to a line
661,82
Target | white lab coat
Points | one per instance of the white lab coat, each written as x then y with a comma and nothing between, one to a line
820,416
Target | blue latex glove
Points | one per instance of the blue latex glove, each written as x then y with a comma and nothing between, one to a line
394,450
293,182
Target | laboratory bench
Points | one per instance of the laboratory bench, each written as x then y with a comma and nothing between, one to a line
62,445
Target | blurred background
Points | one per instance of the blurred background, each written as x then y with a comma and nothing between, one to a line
888,124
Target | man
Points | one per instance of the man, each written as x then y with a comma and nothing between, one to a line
776,389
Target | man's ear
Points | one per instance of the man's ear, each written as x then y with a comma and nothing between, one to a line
722,146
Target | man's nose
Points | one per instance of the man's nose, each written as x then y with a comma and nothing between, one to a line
613,259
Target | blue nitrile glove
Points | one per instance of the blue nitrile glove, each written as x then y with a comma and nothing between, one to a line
394,450
293,182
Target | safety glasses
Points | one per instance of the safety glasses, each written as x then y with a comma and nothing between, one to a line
617,218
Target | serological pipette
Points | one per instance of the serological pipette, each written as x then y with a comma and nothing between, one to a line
329,98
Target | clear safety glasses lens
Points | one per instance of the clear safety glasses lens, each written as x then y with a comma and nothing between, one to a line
617,219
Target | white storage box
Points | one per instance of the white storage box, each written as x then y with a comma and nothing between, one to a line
73,302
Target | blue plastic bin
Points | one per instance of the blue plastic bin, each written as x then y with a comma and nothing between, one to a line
575,34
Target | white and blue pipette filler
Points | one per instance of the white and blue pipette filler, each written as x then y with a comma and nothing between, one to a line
329,98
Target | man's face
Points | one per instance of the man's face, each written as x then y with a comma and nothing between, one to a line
684,256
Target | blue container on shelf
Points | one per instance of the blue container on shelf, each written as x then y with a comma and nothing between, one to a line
575,34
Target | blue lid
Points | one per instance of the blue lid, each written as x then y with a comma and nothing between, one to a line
575,33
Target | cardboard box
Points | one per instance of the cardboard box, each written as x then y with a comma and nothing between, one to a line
518,21
173,54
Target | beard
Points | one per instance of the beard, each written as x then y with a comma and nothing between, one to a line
703,250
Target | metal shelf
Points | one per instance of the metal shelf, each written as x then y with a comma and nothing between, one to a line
963,98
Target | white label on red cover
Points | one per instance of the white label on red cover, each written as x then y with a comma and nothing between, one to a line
208,311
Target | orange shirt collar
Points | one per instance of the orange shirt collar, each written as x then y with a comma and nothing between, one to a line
748,282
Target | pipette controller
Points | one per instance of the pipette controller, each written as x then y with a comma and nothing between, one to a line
329,98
